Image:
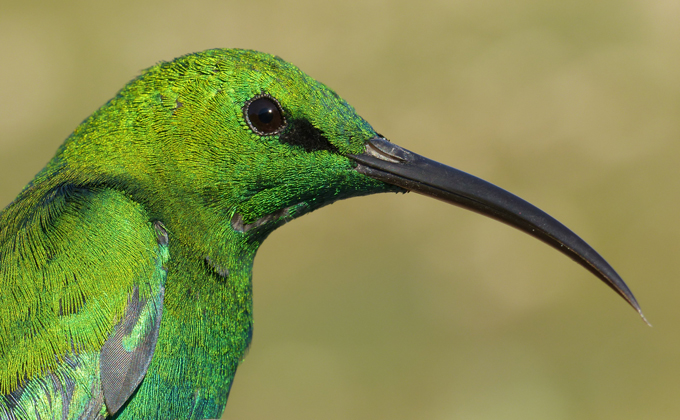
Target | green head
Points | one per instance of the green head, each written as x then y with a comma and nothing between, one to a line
183,139
223,146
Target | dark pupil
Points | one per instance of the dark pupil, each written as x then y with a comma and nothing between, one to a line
265,116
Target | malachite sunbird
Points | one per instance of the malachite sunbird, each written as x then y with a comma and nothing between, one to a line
126,264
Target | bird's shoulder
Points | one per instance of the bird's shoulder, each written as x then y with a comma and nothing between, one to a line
82,273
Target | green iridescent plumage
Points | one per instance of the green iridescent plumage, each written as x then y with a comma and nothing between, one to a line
173,146
125,265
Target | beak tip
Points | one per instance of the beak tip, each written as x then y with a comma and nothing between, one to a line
633,302
643,317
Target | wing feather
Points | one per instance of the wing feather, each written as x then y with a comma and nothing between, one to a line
82,276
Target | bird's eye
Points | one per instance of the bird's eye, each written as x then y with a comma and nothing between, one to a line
264,115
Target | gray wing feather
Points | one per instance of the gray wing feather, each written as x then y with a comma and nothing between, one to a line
123,366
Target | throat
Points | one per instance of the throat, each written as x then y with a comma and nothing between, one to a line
205,330
272,220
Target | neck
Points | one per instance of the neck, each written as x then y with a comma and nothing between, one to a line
205,331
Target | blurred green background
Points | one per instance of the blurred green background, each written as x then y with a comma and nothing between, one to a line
402,307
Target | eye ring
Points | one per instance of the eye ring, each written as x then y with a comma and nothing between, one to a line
264,115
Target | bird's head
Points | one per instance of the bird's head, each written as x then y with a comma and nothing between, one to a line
230,144
228,140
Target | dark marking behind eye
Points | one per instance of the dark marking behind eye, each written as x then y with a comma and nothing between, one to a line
302,133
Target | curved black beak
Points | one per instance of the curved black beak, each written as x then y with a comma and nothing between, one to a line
395,165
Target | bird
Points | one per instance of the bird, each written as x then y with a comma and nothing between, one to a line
126,263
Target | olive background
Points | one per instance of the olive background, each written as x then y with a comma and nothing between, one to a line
399,306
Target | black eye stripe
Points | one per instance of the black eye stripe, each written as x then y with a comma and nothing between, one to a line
264,115
301,132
